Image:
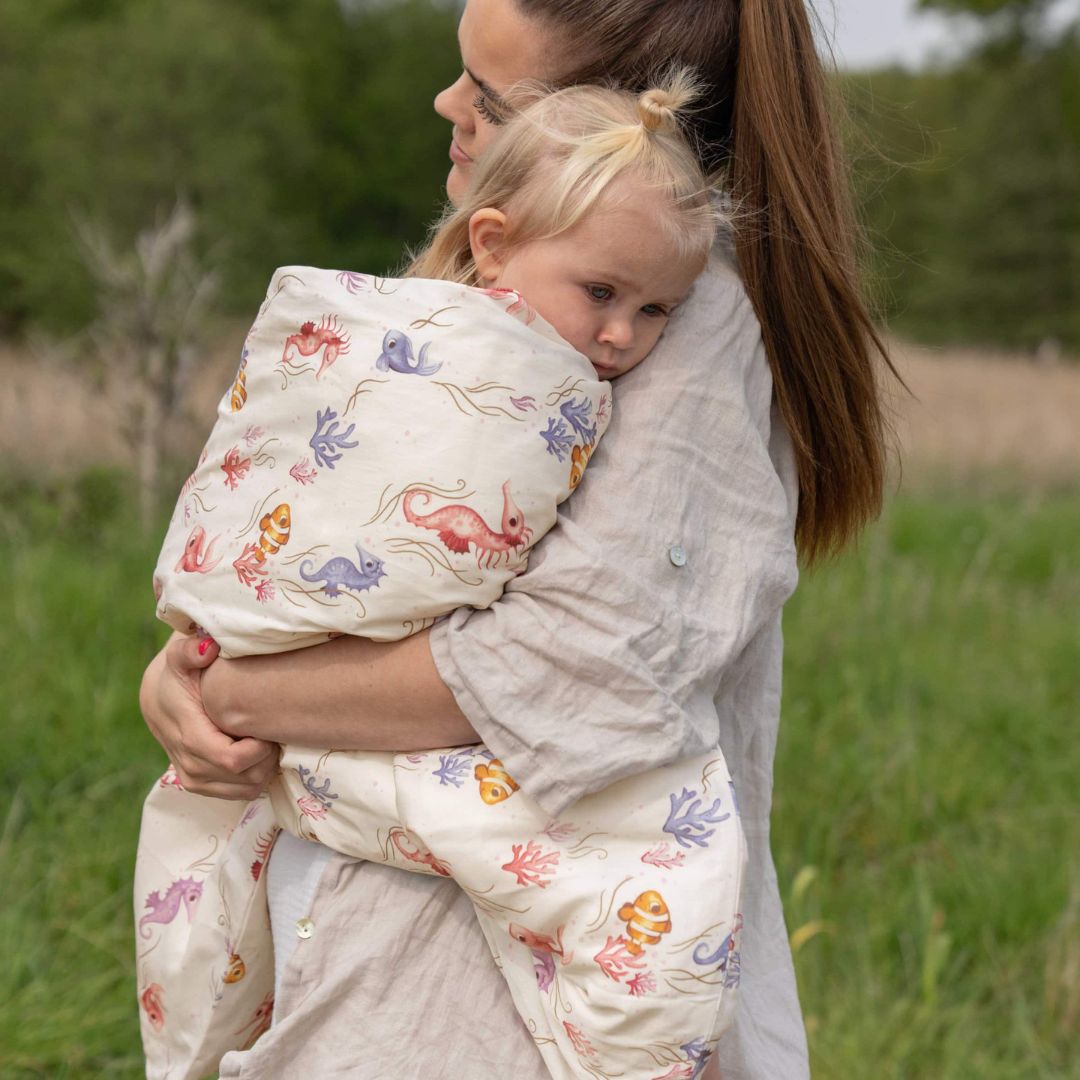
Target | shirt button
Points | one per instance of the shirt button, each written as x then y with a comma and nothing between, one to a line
304,928
677,556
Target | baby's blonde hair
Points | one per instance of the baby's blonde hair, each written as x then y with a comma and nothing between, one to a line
554,160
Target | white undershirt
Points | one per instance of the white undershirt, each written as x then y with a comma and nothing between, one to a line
292,875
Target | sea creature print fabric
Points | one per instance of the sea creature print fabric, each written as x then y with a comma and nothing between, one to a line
616,926
388,451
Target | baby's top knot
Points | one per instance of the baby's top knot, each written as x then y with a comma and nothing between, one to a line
656,110
658,107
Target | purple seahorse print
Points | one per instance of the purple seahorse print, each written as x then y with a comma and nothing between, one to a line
163,909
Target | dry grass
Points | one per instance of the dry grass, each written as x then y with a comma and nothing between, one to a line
973,413
977,413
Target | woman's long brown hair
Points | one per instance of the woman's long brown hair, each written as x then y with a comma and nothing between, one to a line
767,123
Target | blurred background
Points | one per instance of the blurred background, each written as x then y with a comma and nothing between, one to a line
161,159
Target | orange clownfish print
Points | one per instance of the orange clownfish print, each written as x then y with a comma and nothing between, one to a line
236,969
275,530
238,393
579,458
496,785
646,919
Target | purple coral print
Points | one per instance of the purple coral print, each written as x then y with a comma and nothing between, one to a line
688,822
577,413
454,769
559,441
320,793
328,443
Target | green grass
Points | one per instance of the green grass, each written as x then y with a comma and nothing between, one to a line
925,828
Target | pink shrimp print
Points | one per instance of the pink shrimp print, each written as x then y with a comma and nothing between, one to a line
459,526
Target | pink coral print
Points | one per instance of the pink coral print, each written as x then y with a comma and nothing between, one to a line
150,999
235,468
249,565
662,856
683,1071
253,435
263,845
603,409
524,404
352,281
558,831
312,807
532,866
264,591
259,1022
578,1040
616,961
644,982
303,472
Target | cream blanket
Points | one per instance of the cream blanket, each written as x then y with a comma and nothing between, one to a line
389,451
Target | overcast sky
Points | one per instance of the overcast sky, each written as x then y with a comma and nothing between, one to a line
871,32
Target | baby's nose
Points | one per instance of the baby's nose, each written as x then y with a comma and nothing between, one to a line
618,333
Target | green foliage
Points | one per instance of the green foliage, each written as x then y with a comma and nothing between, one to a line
302,131
298,132
970,185
925,830
984,8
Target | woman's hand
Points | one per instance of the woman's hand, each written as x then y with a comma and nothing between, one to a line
207,761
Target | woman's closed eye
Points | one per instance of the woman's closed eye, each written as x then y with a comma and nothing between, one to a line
485,108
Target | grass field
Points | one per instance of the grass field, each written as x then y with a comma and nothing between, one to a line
926,828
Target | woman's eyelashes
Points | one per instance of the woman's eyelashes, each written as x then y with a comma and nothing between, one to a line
486,109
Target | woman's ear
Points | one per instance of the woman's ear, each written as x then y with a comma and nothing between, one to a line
487,239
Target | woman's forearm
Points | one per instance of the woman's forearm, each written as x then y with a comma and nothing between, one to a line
349,694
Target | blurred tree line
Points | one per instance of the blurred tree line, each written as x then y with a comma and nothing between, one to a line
302,131
969,180
297,130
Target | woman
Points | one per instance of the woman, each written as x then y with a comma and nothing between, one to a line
649,620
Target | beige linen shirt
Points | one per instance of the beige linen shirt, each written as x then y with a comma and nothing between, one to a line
646,628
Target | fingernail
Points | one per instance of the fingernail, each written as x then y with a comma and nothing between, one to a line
204,645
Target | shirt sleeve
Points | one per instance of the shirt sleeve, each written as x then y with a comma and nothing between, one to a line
602,660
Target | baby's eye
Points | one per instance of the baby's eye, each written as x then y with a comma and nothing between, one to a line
655,310
598,292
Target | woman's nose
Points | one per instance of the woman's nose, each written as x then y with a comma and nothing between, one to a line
453,103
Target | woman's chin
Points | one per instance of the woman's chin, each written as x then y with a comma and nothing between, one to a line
456,183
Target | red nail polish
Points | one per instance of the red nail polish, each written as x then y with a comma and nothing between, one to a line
204,645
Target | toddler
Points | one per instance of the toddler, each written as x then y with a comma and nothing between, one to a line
453,409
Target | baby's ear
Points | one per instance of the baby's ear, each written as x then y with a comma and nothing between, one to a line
487,238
